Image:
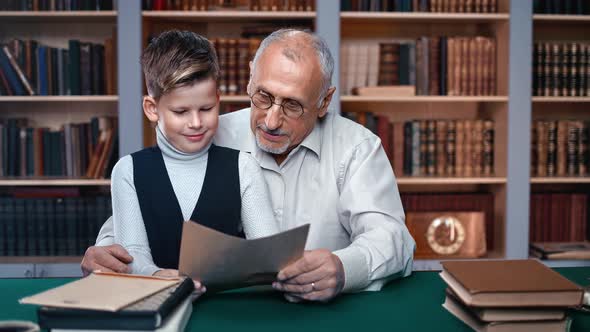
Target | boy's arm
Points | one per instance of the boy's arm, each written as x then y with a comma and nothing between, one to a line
257,214
128,227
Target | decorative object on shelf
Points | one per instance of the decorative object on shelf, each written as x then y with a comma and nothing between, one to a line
448,234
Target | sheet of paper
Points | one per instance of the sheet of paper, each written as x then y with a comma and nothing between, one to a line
221,261
101,291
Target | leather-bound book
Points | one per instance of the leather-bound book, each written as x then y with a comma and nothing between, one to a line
509,283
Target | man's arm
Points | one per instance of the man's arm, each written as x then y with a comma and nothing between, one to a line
381,247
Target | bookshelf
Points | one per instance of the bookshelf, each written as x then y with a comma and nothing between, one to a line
566,110
52,29
512,107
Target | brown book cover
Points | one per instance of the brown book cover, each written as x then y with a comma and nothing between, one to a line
221,46
398,148
510,283
533,149
450,148
573,137
488,148
459,148
431,147
466,315
451,67
556,69
388,64
384,133
510,314
582,148
462,65
434,66
441,153
434,5
491,63
480,65
468,148
541,148
565,65
232,67
561,250
473,64
423,136
551,148
562,144
573,83
547,69
477,149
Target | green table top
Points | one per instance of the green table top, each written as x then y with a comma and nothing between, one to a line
409,304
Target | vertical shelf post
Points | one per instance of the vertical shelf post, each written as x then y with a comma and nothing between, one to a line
519,130
327,24
129,76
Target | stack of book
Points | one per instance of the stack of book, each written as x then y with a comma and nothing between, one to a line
509,295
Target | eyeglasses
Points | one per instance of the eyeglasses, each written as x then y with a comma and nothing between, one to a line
291,108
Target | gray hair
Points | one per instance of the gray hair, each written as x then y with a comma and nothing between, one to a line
325,58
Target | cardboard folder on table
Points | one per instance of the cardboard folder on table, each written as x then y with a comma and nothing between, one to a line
221,261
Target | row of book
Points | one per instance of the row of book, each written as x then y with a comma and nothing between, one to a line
559,148
561,69
436,6
28,67
234,57
454,66
558,217
57,5
462,148
75,150
252,5
54,226
568,7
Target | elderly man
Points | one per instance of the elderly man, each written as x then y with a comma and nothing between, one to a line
320,168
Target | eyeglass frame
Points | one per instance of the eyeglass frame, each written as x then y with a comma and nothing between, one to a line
272,102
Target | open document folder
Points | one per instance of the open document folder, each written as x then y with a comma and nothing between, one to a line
221,261
101,291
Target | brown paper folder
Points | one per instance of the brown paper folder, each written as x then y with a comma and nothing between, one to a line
101,291
510,283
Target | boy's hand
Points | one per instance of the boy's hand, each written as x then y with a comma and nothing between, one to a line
199,289
113,258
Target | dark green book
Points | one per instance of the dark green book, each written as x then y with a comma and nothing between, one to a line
60,227
21,227
41,226
74,65
51,231
70,225
31,231
10,223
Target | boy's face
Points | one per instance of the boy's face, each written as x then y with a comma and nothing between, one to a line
187,115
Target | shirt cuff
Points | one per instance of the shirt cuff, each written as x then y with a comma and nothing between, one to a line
356,272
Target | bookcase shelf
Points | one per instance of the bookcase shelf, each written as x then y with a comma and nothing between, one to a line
561,99
235,99
230,15
561,18
44,182
60,99
425,99
408,181
39,259
103,16
381,17
560,180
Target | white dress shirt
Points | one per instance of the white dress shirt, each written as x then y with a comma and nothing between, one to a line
340,181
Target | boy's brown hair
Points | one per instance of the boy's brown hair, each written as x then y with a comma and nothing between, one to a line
177,58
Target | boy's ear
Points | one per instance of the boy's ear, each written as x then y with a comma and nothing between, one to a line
150,109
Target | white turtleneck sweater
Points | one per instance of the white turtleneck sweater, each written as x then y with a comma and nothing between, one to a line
187,174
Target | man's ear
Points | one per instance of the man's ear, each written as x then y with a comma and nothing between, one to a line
150,108
326,102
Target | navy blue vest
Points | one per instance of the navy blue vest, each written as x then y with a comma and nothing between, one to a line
218,206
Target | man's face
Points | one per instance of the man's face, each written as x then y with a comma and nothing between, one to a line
187,115
287,81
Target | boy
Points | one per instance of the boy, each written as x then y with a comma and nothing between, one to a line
185,176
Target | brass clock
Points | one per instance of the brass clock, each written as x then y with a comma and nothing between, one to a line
445,235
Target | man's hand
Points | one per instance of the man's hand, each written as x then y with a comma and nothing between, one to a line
199,288
317,276
113,258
